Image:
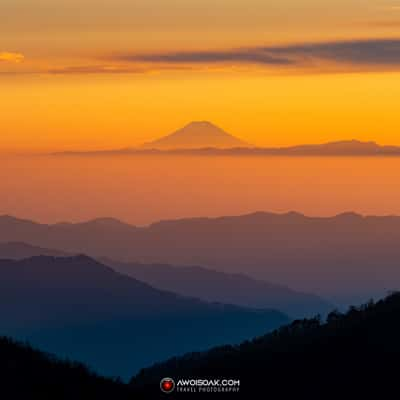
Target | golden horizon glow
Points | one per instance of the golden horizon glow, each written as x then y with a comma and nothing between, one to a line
99,75
142,190
74,113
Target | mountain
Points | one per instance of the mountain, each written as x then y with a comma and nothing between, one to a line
19,250
78,308
209,285
200,282
345,258
351,353
166,146
26,373
341,148
195,135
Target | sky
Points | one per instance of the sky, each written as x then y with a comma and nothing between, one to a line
142,190
115,73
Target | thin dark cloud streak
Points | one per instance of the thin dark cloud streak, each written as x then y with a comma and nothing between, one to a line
378,52
372,51
251,55
108,69
93,69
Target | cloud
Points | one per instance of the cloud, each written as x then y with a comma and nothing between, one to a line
369,52
333,56
95,69
251,55
11,57
106,69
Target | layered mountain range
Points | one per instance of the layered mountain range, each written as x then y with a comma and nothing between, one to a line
78,308
205,138
324,256
200,282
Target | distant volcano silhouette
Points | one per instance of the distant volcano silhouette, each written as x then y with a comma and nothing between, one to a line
197,134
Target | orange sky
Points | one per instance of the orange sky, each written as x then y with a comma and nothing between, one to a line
104,74
142,190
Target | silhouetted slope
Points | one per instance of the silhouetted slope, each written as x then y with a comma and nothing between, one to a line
29,374
197,134
239,289
340,148
350,353
288,249
199,145
19,251
78,308
202,283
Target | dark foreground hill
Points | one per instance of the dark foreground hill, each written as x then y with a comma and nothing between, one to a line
78,308
351,354
29,374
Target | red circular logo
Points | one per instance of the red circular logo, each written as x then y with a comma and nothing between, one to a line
167,385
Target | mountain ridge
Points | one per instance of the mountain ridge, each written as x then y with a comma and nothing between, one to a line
211,285
282,248
79,308
203,283
196,134
309,358
341,148
27,373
